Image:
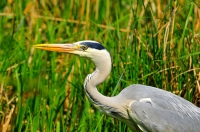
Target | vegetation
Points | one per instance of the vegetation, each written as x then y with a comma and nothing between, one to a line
151,42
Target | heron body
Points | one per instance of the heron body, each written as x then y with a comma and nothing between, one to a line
142,108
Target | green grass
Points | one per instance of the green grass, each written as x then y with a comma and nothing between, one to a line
43,91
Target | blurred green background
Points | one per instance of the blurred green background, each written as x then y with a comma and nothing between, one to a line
151,42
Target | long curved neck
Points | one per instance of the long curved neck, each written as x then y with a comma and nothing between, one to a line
106,105
103,68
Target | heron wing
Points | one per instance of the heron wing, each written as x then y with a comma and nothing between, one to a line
154,109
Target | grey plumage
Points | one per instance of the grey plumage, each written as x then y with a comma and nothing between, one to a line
158,110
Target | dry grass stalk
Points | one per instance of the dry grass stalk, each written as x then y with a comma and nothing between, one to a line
6,126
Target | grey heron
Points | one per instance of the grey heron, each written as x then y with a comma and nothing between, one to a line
142,108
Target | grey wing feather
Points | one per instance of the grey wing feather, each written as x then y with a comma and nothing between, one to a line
152,118
154,109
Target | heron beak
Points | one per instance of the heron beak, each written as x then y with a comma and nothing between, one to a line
69,48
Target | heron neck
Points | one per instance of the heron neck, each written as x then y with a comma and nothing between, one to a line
103,103
103,68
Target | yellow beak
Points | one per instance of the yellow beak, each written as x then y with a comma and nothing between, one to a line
69,48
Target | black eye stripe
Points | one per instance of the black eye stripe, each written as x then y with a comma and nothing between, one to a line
94,45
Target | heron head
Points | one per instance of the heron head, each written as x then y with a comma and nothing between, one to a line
86,48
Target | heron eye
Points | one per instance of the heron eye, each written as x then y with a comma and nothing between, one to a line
84,47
